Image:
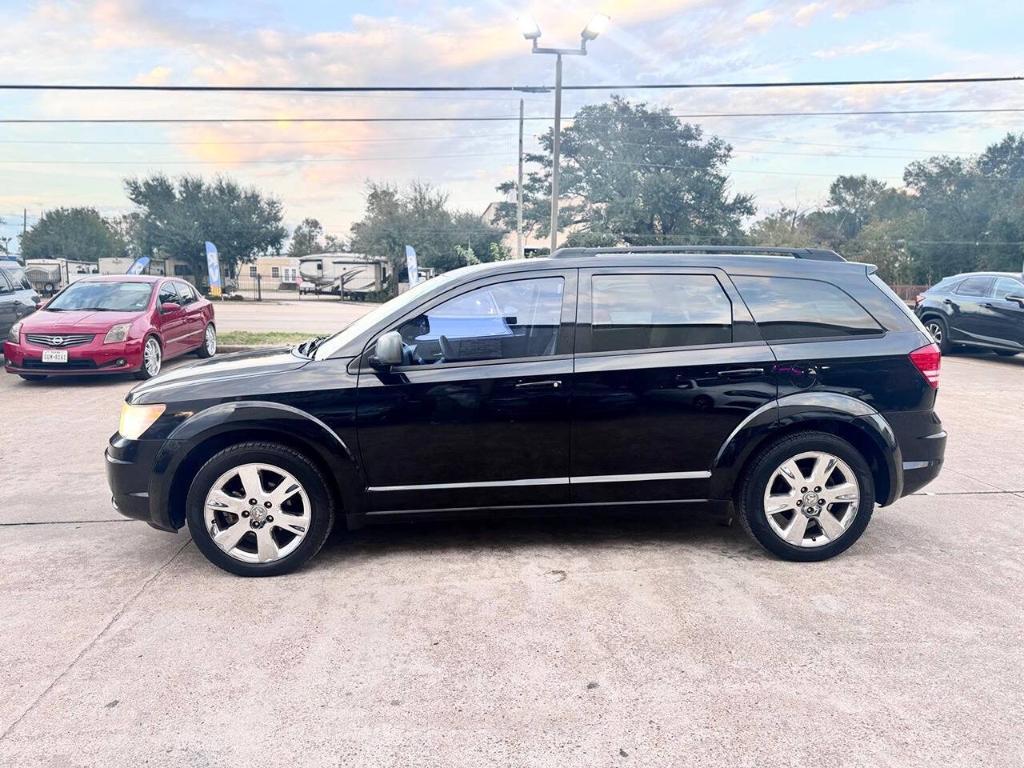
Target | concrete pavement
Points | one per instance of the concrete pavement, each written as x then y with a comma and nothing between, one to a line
304,316
622,640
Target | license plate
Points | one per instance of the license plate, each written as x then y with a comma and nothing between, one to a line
55,355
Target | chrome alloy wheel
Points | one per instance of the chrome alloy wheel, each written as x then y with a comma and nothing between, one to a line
257,513
152,357
811,499
934,327
210,340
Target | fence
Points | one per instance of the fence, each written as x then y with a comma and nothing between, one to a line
908,292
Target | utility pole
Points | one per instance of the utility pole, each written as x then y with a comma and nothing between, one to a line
519,190
24,220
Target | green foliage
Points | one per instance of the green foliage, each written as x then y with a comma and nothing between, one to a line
176,217
955,215
419,216
5,241
634,175
309,237
80,234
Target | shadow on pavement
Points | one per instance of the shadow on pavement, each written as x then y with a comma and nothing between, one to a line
576,529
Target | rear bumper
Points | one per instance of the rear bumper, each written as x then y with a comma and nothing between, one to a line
922,444
131,468
92,358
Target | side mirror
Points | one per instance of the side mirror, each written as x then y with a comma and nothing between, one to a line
169,306
1015,297
388,351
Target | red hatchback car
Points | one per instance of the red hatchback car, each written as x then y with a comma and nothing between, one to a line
112,324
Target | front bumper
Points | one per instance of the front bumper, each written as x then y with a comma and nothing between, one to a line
131,468
92,358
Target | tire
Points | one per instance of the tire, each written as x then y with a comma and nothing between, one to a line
939,330
1005,352
148,370
844,520
209,345
32,376
302,524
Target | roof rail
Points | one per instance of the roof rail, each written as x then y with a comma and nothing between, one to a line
815,254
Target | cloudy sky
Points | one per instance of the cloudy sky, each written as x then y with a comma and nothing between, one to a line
320,169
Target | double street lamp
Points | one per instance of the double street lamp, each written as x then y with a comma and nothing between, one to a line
531,32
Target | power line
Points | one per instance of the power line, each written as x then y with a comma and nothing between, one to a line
255,161
242,142
497,88
477,119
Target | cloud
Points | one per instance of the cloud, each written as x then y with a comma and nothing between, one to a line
156,76
761,20
806,13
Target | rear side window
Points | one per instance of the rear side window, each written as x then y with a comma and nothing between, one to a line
186,292
975,286
652,311
945,285
788,309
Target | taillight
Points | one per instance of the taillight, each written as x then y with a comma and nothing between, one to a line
928,360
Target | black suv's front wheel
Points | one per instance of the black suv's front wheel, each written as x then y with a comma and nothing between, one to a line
808,496
259,509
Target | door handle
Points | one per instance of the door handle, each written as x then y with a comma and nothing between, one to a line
552,384
740,372
986,304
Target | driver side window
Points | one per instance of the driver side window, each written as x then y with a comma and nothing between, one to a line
1007,286
502,321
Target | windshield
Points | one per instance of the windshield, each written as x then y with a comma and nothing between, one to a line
331,345
103,297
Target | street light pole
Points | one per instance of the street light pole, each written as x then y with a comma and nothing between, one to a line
531,32
556,151
519,190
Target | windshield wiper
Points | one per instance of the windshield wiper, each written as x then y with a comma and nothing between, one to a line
307,348
97,309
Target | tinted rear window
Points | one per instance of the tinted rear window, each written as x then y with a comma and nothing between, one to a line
975,286
652,311
793,308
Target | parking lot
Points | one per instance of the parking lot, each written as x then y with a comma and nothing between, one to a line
622,640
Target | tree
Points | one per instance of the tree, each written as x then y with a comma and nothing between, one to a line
419,216
636,175
309,237
71,233
176,217
5,241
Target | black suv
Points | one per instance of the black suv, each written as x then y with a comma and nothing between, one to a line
18,298
977,309
789,386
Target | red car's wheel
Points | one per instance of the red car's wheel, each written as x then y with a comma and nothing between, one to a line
152,359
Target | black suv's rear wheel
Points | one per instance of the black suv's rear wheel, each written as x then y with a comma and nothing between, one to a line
808,496
259,509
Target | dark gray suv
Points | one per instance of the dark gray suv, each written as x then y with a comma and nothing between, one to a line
17,296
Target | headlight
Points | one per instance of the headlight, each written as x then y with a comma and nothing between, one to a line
14,335
118,333
136,419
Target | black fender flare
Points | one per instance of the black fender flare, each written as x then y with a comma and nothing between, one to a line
265,419
816,410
